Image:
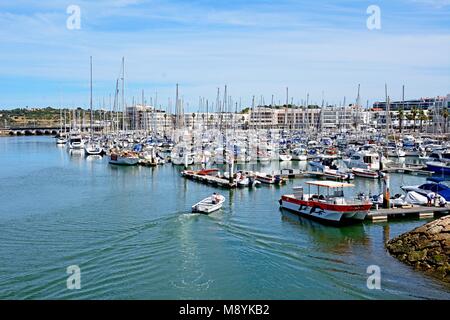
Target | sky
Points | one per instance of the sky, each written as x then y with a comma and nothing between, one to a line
322,49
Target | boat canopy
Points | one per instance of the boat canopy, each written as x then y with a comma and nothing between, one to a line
330,184
436,179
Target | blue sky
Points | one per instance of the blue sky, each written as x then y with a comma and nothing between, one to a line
255,47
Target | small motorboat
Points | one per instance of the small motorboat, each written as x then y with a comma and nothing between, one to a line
337,174
61,140
269,179
247,180
93,149
285,157
365,173
433,185
125,158
209,205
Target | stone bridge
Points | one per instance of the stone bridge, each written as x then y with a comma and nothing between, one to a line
55,130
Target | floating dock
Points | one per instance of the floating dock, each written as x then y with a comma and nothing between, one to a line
415,211
413,170
212,180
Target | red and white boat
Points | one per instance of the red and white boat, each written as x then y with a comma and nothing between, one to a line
327,204
365,173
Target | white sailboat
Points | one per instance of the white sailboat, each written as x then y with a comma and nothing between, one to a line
92,147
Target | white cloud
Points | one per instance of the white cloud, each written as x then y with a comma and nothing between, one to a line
307,57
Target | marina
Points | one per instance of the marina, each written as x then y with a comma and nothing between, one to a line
225,151
159,198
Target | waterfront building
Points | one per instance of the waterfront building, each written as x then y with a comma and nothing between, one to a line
309,118
349,117
408,105
284,118
148,118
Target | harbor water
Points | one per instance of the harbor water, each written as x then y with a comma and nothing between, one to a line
132,235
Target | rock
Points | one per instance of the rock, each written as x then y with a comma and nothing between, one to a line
427,244
417,255
439,259
435,230
442,237
426,248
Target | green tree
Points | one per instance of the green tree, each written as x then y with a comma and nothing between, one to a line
401,117
422,117
414,112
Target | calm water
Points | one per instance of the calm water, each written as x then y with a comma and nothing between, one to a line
131,233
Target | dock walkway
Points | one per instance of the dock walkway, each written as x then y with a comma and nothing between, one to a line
212,180
420,211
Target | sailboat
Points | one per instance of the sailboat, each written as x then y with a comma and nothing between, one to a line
61,138
92,147
123,157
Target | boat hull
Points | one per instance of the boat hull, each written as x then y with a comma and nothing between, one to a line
362,173
206,206
123,161
326,212
438,167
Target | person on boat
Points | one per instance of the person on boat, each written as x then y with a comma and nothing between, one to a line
442,202
215,198
430,198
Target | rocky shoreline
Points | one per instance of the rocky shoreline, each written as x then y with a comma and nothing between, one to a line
427,248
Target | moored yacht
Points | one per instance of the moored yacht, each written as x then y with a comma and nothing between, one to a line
364,160
75,141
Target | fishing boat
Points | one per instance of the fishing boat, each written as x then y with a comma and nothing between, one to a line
329,206
209,204
365,173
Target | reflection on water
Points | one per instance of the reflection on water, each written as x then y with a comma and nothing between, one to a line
93,157
327,238
132,232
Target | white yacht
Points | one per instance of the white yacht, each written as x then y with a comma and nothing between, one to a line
364,160
75,141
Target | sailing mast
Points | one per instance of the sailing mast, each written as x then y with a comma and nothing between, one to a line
123,94
90,106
